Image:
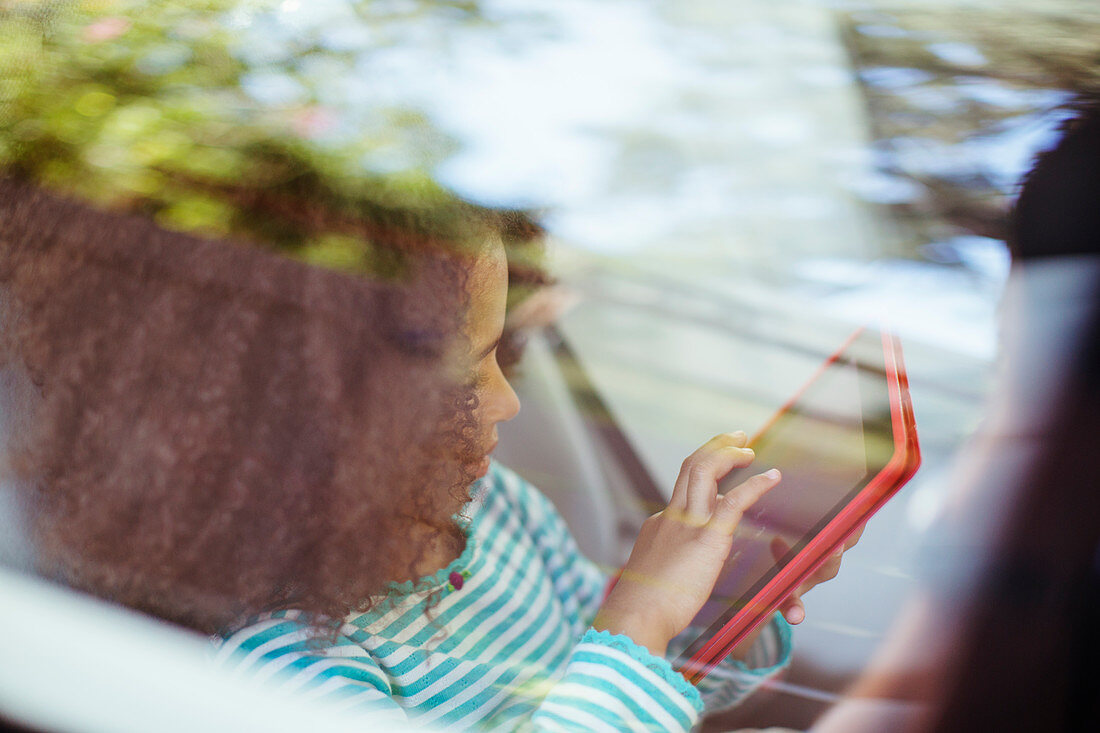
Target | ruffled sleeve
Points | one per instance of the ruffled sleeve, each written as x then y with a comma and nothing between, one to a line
611,683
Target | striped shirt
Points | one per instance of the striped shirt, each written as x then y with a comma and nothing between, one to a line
500,638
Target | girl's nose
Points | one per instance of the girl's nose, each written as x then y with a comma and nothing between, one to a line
503,403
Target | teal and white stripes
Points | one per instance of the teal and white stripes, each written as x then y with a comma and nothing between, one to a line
611,679
511,649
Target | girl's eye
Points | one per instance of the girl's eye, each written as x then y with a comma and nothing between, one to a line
480,378
477,381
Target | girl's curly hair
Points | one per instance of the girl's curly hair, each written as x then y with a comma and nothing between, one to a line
216,430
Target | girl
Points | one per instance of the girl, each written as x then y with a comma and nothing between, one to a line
515,629
299,463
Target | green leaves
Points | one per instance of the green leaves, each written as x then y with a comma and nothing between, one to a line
223,119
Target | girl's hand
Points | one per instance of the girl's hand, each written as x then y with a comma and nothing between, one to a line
681,550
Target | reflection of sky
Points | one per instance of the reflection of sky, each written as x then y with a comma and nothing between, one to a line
532,94
527,94
542,100
607,116
917,299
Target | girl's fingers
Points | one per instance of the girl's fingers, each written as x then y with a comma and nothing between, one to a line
730,507
703,477
779,548
697,484
851,541
827,571
793,610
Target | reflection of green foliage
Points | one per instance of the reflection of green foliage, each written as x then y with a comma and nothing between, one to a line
140,107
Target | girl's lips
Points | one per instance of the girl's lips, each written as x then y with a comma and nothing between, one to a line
483,467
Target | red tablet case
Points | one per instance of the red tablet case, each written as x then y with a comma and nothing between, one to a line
900,468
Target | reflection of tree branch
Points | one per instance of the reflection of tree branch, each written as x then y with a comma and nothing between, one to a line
311,216
1048,50
977,210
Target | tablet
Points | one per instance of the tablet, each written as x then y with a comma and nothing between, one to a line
845,443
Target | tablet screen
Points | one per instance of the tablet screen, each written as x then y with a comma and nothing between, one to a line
829,443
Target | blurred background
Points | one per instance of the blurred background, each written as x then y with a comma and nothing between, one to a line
728,190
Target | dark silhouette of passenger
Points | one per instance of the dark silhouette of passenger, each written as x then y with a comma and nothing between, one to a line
1005,636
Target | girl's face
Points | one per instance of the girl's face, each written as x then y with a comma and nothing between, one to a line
497,402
